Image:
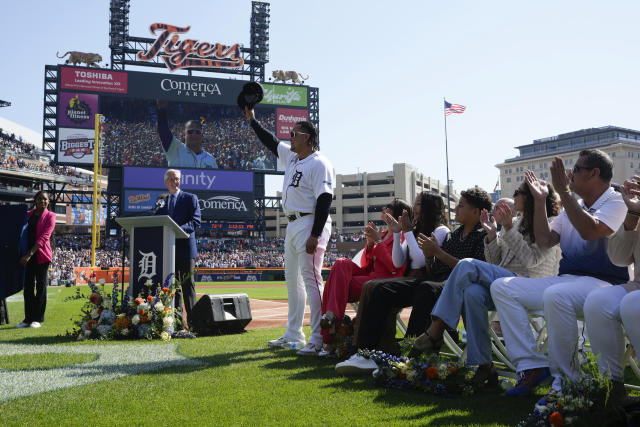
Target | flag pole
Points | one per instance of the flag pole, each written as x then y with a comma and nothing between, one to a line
446,150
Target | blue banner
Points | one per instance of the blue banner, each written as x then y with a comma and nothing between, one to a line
229,277
191,179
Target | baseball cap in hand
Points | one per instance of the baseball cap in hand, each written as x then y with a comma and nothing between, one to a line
252,93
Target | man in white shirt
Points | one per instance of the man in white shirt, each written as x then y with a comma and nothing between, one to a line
582,229
183,155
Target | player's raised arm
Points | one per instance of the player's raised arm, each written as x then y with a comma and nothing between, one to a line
163,125
268,139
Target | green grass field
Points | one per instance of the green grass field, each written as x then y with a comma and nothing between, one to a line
224,380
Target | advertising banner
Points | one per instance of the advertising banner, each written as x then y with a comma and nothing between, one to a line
77,109
97,80
293,96
75,146
83,274
82,214
287,119
191,180
141,200
185,88
147,257
225,205
229,277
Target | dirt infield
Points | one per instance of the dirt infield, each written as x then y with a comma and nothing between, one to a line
273,313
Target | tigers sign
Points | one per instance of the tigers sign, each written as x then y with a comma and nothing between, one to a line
189,53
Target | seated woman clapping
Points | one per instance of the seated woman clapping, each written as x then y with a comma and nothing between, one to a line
512,252
347,278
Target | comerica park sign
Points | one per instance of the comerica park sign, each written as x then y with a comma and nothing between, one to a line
189,53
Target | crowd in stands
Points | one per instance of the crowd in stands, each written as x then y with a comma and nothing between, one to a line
132,135
17,154
74,250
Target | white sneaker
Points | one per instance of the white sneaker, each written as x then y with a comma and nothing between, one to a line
280,342
356,365
21,325
326,353
35,324
310,349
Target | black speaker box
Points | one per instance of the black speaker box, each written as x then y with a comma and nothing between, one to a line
221,314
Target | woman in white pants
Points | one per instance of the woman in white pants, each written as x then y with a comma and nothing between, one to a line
607,310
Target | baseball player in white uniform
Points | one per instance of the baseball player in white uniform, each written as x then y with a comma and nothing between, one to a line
307,191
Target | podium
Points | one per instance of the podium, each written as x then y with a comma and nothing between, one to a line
152,249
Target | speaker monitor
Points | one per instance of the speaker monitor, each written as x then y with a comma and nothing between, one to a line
220,314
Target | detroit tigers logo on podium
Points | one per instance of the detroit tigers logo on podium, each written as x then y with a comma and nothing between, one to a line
147,265
295,179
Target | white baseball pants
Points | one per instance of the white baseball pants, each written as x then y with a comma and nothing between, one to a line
303,274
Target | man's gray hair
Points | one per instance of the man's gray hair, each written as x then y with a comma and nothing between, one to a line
175,171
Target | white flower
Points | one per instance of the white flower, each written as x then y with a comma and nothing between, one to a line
159,306
165,336
135,319
148,283
87,333
107,304
125,331
94,313
167,321
102,281
144,306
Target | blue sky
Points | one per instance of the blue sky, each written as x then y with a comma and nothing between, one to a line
524,70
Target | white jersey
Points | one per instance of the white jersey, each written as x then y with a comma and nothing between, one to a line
304,180
180,156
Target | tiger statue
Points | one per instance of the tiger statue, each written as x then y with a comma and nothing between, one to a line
283,76
88,58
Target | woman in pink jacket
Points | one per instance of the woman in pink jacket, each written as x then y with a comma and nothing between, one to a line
347,278
36,262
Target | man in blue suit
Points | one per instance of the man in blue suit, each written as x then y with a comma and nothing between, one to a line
184,209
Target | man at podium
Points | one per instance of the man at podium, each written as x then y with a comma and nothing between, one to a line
184,209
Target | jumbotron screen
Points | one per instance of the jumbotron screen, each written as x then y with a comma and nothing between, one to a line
148,120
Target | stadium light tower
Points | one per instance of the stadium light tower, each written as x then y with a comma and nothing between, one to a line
4,103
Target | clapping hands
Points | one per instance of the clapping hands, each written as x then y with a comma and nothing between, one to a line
372,234
489,225
429,245
630,191
538,187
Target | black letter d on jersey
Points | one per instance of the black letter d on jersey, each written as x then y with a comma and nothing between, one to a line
295,179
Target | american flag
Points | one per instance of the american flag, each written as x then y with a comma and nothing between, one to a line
450,108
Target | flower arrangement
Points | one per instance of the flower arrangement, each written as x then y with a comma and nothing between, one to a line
427,373
150,316
584,403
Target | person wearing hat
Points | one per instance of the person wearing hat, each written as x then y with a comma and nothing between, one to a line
183,155
307,192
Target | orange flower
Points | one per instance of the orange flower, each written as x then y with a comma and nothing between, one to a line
173,295
167,309
100,311
150,298
556,419
432,372
141,312
453,369
94,299
144,319
138,301
165,290
121,323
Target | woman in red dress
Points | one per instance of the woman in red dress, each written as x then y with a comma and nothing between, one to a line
347,278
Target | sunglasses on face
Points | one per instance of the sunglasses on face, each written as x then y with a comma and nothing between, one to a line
194,131
519,192
577,168
295,133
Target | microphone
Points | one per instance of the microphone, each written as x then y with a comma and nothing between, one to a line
161,202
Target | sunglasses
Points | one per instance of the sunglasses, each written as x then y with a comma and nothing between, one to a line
194,131
518,192
577,168
389,206
295,133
